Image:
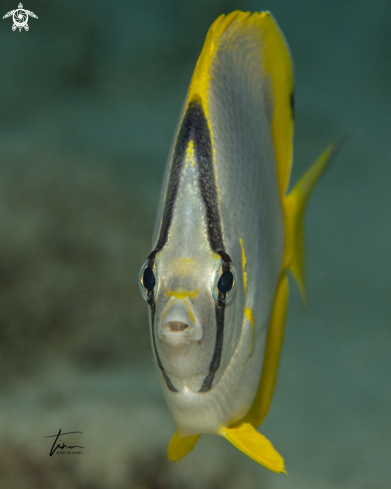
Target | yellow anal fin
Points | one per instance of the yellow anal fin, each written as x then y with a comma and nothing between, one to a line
179,447
294,205
263,398
256,446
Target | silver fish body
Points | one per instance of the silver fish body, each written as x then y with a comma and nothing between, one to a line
215,278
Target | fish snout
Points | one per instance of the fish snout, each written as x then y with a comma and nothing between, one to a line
179,322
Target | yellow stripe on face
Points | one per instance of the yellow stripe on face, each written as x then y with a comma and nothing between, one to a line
190,157
183,267
182,294
247,312
249,315
243,265
190,149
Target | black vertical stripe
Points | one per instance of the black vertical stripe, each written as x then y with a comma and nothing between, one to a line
292,103
165,376
206,178
195,127
181,144
209,194
216,359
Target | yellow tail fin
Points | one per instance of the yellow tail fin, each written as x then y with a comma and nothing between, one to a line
294,207
179,447
247,439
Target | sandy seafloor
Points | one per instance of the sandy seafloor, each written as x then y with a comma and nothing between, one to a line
89,99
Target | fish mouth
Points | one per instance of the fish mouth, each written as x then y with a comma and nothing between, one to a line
176,326
179,322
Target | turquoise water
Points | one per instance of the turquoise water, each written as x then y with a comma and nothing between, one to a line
89,99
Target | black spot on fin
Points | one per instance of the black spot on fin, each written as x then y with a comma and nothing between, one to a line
292,101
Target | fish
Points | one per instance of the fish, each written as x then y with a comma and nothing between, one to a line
227,232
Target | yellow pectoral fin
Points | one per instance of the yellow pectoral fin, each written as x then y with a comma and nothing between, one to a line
256,446
179,447
294,207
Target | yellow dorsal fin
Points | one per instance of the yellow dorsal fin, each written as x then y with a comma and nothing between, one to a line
179,447
278,65
256,446
201,77
294,205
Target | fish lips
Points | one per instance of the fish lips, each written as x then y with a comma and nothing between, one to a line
179,322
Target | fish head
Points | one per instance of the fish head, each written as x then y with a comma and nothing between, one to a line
196,314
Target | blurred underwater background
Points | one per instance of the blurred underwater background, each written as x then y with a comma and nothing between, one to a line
89,100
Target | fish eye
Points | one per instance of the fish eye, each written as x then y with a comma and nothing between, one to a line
223,284
226,282
148,281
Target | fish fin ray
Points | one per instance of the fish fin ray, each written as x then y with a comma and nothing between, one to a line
181,446
294,208
256,446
